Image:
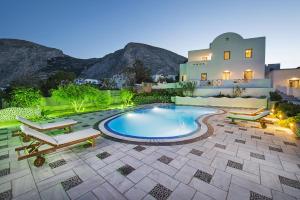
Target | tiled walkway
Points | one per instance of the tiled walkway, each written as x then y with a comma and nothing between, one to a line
237,162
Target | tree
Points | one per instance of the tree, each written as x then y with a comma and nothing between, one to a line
77,95
126,96
25,97
102,98
60,77
140,72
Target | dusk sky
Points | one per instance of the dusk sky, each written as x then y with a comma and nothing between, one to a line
93,28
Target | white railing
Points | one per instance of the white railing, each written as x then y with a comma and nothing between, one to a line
219,83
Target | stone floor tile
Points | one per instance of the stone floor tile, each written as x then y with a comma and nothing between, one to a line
185,174
281,196
120,182
54,192
221,180
201,196
135,194
219,163
270,180
182,192
108,169
171,171
88,196
85,187
132,161
243,174
139,173
106,191
179,161
163,179
237,192
22,185
251,186
208,189
146,184
47,183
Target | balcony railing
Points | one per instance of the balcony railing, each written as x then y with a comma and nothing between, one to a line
219,83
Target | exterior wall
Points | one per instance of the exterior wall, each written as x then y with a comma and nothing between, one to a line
222,102
280,80
253,92
237,63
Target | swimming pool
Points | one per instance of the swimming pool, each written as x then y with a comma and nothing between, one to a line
158,122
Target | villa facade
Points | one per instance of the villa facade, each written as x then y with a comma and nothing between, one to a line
229,61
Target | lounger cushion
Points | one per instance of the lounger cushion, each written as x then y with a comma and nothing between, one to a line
46,126
60,139
67,122
77,135
41,136
249,117
248,112
28,122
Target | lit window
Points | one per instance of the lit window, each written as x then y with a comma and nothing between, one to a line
226,75
226,55
248,74
294,83
203,76
183,78
248,53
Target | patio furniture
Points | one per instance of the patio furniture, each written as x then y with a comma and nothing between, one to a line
255,118
44,144
65,124
255,112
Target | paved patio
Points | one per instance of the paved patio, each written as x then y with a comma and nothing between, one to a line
237,162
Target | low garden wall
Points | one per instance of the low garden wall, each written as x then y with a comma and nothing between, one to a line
237,102
9,114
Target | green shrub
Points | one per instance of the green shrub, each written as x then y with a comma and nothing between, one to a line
126,96
76,95
102,98
274,96
25,97
145,98
9,114
287,109
188,87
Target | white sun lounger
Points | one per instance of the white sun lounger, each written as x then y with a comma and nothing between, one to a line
255,112
47,126
43,144
256,118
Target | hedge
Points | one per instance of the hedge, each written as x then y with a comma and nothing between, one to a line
9,114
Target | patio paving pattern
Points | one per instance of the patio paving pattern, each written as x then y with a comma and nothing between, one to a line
238,161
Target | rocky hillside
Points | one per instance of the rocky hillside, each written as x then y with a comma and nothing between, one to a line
21,59
160,61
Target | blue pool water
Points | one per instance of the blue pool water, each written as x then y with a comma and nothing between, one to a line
158,122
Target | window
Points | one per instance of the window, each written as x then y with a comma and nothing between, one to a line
226,75
203,76
226,55
248,53
248,74
294,83
183,78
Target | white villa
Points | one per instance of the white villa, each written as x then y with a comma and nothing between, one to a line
230,60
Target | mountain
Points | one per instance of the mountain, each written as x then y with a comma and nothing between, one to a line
159,60
26,61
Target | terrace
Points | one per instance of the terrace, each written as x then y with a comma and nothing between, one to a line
237,161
